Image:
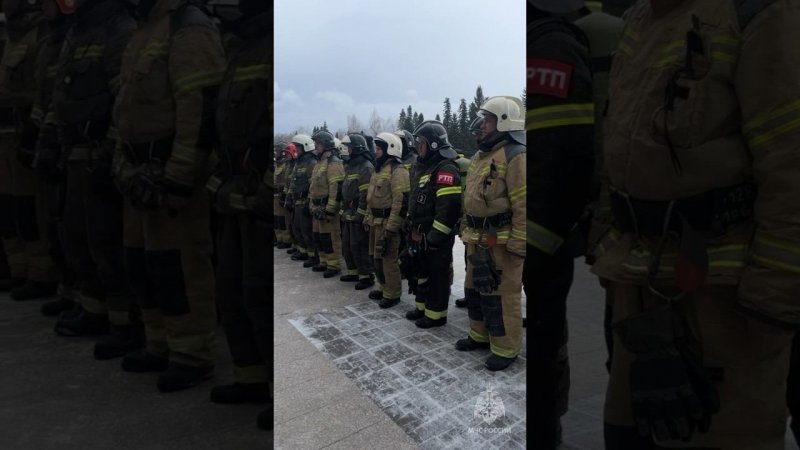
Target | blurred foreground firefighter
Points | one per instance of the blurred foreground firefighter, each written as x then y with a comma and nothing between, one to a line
433,211
244,201
22,224
387,199
359,168
170,76
325,191
703,258
493,230
559,120
83,97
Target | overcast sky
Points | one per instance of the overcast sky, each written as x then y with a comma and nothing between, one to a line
334,58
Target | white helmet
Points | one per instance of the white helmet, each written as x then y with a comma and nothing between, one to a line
305,141
394,146
509,110
344,149
337,144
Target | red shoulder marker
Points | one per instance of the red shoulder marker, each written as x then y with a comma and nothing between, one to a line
548,77
446,178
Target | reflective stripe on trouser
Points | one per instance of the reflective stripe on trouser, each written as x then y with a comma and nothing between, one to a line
387,268
356,247
498,317
437,271
96,224
753,358
329,241
168,261
281,219
243,288
24,210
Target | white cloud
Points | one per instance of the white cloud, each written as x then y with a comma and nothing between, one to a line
285,98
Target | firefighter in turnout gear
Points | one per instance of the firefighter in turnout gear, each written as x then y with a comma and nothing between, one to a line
493,229
164,112
387,198
297,198
87,83
703,259
559,124
23,230
281,215
409,150
433,211
291,160
359,168
325,194
243,201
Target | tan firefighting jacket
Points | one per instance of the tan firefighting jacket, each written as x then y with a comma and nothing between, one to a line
170,69
496,184
326,181
386,190
735,118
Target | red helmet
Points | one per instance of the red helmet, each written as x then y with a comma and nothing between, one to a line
66,6
291,150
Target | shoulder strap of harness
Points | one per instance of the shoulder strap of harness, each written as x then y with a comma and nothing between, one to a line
191,13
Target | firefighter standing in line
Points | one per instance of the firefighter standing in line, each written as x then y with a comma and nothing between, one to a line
701,151
291,159
360,166
281,219
559,124
387,198
297,197
170,74
493,231
433,211
325,192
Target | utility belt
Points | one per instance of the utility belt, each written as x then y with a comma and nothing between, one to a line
243,161
84,135
715,211
381,213
497,220
319,201
145,152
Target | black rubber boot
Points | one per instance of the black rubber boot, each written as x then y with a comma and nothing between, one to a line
181,376
388,302
300,256
291,251
461,302
121,341
84,324
427,322
283,245
34,290
319,268
7,284
142,361
311,262
266,419
348,278
365,283
495,363
240,393
468,345
376,295
330,273
415,314
56,307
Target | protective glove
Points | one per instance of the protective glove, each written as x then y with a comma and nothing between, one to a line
406,260
145,192
319,213
671,396
485,278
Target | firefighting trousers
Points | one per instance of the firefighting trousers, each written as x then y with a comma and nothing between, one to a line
55,200
547,289
93,231
168,261
243,289
793,388
387,267
22,222
496,317
434,279
749,361
355,247
328,241
281,221
302,228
